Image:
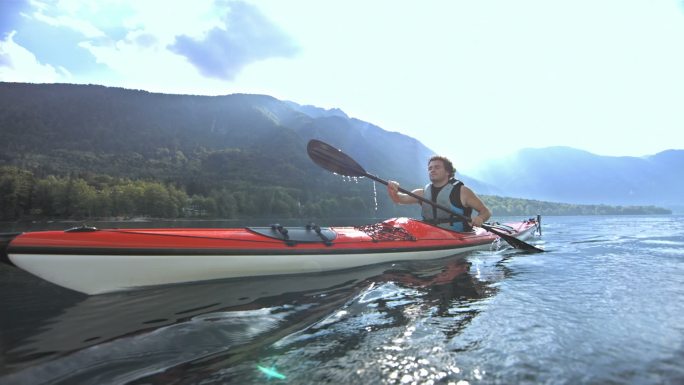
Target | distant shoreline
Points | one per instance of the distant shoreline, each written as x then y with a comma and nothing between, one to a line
303,221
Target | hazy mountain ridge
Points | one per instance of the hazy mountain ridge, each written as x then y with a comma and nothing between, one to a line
565,174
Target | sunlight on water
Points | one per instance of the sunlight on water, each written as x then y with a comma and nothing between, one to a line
410,369
412,354
663,242
271,373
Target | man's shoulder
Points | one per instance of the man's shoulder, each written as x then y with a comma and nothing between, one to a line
456,182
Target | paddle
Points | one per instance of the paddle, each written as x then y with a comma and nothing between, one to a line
333,159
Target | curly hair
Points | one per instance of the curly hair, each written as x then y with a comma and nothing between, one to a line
447,164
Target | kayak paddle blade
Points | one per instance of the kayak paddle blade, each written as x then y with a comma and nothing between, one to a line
332,159
513,241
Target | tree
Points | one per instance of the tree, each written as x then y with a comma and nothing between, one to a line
15,192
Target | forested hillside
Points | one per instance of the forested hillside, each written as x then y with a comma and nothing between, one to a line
236,155
78,151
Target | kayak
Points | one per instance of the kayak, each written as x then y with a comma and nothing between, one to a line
97,261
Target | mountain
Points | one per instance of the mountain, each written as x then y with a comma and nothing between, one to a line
240,145
563,174
56,122
91,150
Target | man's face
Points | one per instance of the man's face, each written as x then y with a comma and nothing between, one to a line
437,172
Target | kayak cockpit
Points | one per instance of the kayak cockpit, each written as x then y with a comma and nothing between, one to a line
293,235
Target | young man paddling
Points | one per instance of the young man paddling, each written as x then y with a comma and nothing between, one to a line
447,191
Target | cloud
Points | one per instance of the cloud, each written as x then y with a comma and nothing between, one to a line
128,43
246,36
17,64
84,27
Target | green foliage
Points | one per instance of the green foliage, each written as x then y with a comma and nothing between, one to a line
99,196
501,206
15,192
23,195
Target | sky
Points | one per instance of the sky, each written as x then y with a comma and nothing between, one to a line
472,80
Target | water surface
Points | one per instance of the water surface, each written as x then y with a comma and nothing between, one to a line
604,305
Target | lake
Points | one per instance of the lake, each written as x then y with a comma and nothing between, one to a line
603,305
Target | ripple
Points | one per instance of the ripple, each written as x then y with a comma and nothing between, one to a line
602,305
665,242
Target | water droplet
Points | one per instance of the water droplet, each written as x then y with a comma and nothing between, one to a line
375,196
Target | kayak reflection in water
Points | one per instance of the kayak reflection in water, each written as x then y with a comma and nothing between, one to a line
447,191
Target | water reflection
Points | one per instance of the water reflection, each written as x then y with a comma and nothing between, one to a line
97,319
220,331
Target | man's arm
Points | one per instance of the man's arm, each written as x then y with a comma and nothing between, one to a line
397,197
470,199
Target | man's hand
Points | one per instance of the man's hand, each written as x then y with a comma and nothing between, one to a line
399,197
393,191
477,221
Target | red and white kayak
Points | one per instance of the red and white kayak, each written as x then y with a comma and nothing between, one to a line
95,261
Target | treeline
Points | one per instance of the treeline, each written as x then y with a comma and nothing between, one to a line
96,196
508,206
23,195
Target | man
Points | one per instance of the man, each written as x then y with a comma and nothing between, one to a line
444,189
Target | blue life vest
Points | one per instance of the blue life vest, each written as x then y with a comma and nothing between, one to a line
448,196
